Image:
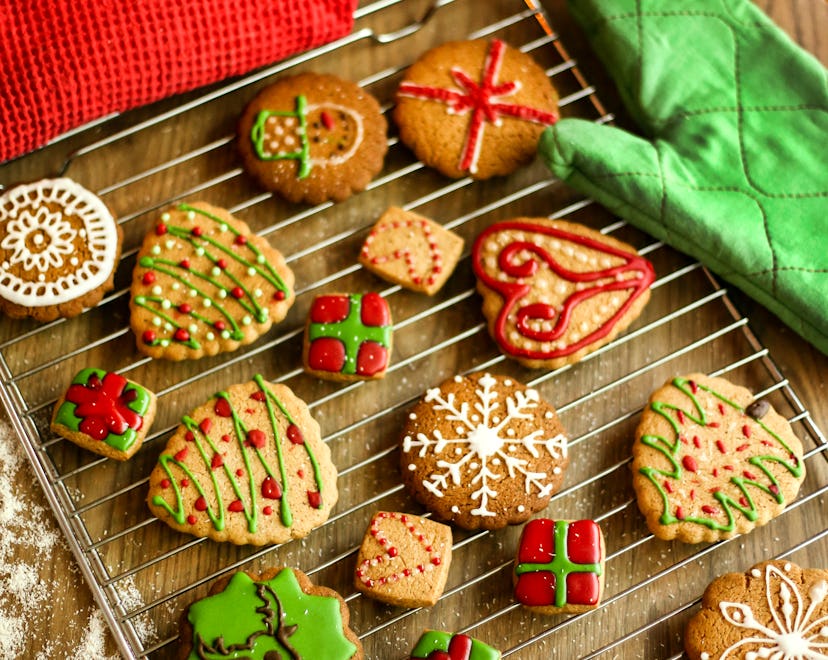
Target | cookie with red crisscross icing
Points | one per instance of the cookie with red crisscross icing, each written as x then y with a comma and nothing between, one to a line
475,108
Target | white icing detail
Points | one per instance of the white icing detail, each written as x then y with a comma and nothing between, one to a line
24,213
484,442
345,156
791,634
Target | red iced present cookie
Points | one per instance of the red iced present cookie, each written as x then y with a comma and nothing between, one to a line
105,413
560,566
410,250
348,337
439,645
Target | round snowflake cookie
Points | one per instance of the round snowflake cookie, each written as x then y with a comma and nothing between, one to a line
483,451
774,610
59,245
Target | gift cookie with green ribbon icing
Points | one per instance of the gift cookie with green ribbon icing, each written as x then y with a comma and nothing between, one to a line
248,466
439,645
313,138
105,413
277,615
559,567
348,337
205,284
709,462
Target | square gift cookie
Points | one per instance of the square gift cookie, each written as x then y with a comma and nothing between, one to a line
559,566
348,337
404,560
410,250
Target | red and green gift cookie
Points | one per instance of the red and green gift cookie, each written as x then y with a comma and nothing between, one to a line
438,645
105,413
348,337
560,566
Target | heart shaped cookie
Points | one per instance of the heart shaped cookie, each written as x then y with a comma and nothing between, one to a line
410,250
205,284
554,290
404,560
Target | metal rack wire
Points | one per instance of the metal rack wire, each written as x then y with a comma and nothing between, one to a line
143,575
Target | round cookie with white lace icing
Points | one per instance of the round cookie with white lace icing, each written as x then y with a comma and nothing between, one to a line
483,451
312,138
774,610
59,247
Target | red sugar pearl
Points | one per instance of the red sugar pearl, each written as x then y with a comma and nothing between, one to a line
148,277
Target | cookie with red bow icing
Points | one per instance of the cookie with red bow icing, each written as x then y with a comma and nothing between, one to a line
554,290
312,138
248,466
205,284
439,645
475,108
105,413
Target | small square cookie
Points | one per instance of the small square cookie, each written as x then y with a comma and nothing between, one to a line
410,250
348,337
105,413
404,560
559,566
439,645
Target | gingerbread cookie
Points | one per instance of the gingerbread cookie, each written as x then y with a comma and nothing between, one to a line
404,560
774,610
313,138
279,614
709,462
105,413
439,645
475,108
554,291
411,250
348,337
59,247
559,567
248,466
205,284
483,451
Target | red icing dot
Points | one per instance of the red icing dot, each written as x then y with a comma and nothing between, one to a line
205,425
192,519
165,483
690,464
185,308
239,472
222,408
279,295
225,438
222,263
237,292
258,396
374,310
326,354
710,510
181,335
294,434
241,240
256,438
680,513
236,506
436,561
392,552
200,504
271,489
160,229
148,278
189,436
315,499
220,325
217,461
267,510
197,231
184,263
185,482
181,454
148,337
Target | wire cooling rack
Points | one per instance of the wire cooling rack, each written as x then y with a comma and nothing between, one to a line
143,574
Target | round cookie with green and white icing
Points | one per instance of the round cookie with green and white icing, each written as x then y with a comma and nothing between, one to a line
709,462
59,247
205,284
248,466
279,614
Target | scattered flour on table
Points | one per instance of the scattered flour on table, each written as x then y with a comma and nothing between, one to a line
29,540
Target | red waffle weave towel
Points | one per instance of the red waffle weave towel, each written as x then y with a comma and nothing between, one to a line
65,62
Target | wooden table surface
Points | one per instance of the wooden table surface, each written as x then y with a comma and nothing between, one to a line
67,628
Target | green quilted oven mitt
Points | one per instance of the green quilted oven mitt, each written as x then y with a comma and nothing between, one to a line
733,168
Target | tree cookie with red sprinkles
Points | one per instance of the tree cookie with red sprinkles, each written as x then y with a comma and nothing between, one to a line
554,291
105,413
410,250
205,284
249,467
475,108
313,137
404,560
710,462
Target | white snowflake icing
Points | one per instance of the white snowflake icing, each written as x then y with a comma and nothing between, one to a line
483,439
39,240
792,635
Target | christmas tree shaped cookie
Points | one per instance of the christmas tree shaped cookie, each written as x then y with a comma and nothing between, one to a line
280,614
710,463
205,284
248,466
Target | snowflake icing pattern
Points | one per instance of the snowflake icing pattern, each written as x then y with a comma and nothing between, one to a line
485,436
792,635
40,240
